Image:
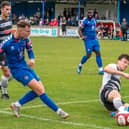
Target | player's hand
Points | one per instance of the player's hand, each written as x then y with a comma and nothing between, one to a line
83,37
31,63
126,75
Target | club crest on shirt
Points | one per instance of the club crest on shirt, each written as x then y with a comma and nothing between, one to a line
26,77
12,47
88,49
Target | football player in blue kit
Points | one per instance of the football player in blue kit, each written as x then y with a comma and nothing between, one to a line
87,32
14,47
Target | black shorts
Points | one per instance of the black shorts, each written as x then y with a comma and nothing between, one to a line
63,28
3,61
104,99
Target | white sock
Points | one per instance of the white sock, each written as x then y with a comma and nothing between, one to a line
58,111
118,104
80,64
101,68
17,104
121,108
4,90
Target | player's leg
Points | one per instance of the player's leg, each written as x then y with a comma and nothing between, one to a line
104,99
126,35
98,56
24,76
29,96
115,97
33,82
4,82
107,101
123,35
88,48
38,88
99,62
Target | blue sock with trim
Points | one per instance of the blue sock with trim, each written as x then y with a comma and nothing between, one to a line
29,96
49,102
84,59
99,61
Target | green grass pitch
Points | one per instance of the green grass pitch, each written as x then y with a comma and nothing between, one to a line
56,64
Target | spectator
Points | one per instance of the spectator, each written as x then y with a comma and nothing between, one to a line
95,13
51,22
38,14
64,12
73,21
124,28
35,20
55,22
59,17
63,25
101,30
47,22
69,22
31,20
41,22
82,16
111,32
106,30
103,18
52,13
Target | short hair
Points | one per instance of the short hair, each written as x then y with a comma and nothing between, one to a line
126,56
23,23
90,10
5,3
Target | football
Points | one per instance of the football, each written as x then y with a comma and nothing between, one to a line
122,118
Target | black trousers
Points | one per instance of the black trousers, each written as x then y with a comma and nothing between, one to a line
124,35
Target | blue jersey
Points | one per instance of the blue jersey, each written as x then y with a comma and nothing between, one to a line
14,50
89,28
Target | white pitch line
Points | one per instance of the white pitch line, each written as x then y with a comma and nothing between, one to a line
63,103
58,121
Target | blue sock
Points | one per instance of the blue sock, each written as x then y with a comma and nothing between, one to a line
48,102
99,61
84,59
28,97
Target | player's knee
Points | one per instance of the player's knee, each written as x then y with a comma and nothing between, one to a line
88,55
114,94
97,53
39,90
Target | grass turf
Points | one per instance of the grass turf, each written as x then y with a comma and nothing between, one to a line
56,64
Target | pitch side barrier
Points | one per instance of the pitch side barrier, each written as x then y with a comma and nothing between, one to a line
55,31
51,31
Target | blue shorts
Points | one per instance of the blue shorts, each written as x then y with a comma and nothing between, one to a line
91,45
25,75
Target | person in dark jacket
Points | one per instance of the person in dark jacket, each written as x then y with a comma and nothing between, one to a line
124,28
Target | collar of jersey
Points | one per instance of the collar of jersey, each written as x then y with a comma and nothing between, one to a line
16,40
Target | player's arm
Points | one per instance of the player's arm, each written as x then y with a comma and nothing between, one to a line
30,52
3,47
80,30
111,70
